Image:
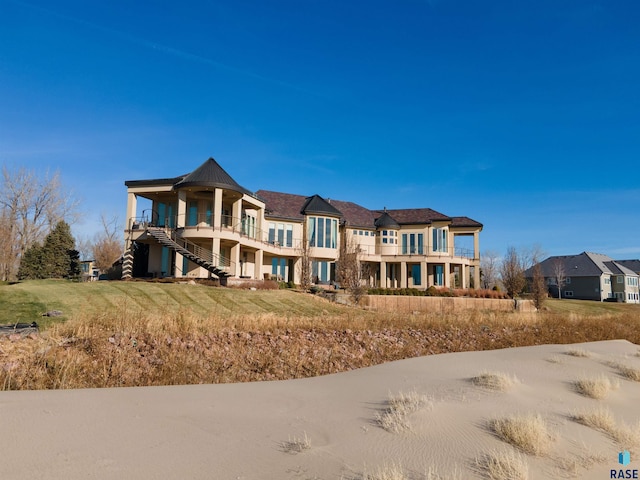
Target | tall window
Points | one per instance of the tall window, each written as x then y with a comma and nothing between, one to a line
413,243
281,234
323,232
192,214
322,272
438,275
416,275
279,268
289,238
249,226
440,240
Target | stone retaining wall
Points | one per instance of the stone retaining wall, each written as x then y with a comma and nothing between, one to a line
409,304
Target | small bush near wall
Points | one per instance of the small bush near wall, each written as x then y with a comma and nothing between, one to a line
438,292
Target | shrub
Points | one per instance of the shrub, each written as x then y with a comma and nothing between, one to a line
494,381
529,433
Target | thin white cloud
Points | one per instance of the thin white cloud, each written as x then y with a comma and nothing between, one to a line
167,49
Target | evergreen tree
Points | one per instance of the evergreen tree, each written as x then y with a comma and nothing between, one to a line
56,258
31,263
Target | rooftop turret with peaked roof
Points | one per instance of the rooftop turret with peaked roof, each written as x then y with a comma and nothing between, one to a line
210,175
316,205
386,221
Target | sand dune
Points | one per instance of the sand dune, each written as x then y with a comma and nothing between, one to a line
332,427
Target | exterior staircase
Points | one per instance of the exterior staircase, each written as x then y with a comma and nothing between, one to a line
195,253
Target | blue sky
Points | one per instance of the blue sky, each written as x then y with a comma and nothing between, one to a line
522,115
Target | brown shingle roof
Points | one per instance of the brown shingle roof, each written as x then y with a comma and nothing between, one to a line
355,215
282,205
409,216
464,222
288,205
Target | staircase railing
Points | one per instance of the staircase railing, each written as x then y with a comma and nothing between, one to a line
201,252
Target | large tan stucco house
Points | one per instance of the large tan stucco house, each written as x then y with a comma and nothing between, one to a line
204,224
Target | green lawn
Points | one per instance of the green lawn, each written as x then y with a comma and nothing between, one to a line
589,307
27,301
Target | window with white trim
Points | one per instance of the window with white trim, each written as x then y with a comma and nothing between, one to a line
389,237
440,240
412,243
323,232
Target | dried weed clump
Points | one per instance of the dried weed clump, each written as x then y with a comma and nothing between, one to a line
597,387
528,433
391,471
504,465
395,417
494,381
630,373
296,444
602,419
578,352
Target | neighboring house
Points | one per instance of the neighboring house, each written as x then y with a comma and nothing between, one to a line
631,265
589,276
88,271
204,223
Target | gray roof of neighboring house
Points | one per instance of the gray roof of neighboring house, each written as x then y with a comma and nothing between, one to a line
208,175
585,264
633,265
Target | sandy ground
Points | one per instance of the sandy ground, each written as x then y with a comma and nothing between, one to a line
241,431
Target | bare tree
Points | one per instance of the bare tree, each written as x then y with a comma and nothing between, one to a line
350,272
489,266
84,246
532,255
304,251
107,245
538,287
30,206
559,275
512,272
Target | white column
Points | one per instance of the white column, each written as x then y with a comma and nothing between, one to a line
258,269
217,209
236,214
403,275
235,260
383,274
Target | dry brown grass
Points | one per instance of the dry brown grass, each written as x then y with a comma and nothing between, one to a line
391,471
578,352
296,444
528,433
395,417
494,381
602,419
630,373
595,387
503,465
133,347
